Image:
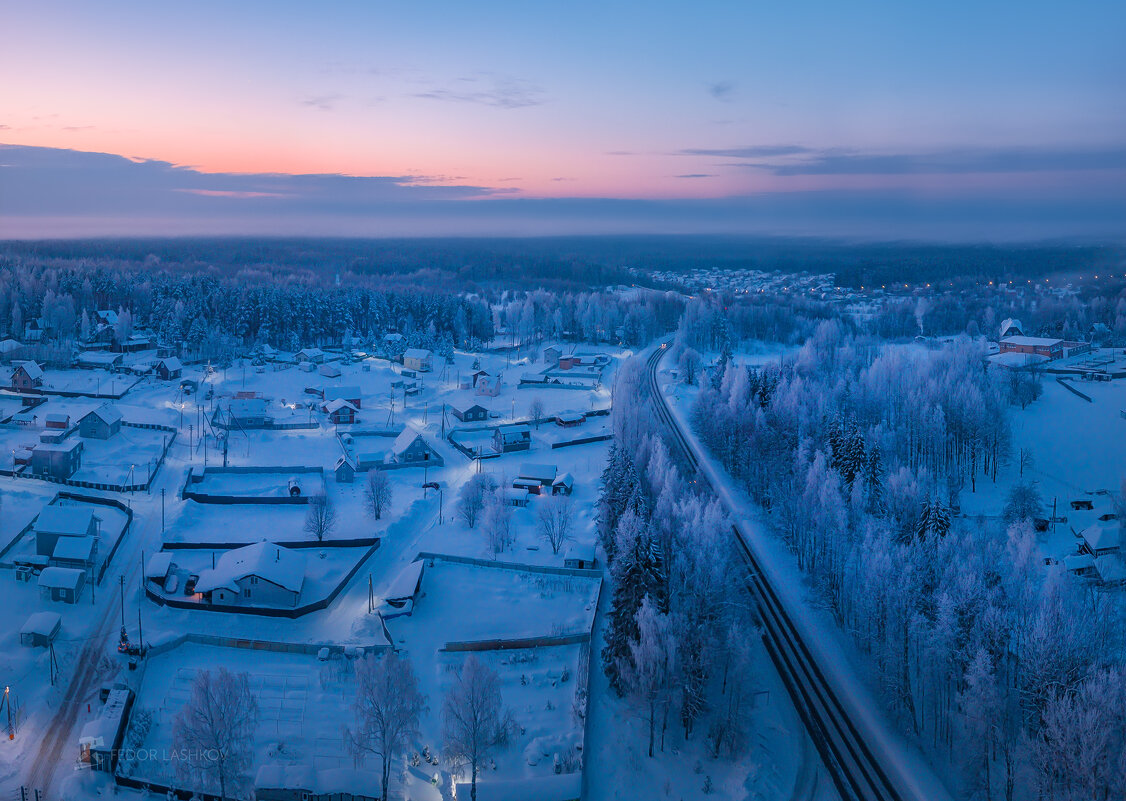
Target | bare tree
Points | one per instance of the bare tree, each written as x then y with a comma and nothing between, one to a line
650,676
320,520
474,721
215,730
387,707
536,410
377,493
556,516
497,520
472,496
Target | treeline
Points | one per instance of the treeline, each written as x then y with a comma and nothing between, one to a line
1008,671
678,640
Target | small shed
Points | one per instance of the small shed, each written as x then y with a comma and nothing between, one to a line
158,565
340,411
544,474
344,470
579,556
516,497
101,423
569,419
62,584
41,629
169,369
76,552
58,421
563,485
329,370
470,413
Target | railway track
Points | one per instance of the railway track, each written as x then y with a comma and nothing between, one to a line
855,771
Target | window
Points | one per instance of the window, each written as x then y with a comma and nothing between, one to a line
246,592
253,579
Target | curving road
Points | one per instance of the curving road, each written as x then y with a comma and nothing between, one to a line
845,752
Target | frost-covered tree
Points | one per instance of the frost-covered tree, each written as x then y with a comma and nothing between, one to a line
215,730
649,675
496,521
386,708
472,496
474,721
637,573
377,493
556,514
320,517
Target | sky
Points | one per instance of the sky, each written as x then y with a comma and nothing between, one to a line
885,120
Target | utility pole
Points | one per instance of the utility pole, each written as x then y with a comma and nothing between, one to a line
191,441
162,510
122,600
8,703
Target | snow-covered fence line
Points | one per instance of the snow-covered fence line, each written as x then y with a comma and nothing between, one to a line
582,441
266,611
500,644
198,476
353,542
1067,385
74,496
37,400
275,646
523,568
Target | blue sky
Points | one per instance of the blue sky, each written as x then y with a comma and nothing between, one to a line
519,109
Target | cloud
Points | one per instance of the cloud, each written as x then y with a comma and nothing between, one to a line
791,160
42,180
322,102
750,152
696,175
722,90
494,91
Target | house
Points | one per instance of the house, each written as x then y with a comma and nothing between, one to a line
248,413
515,496
570,419
477,376
563,485
489,386
57,421
340,411
100,741
349,393
133,343
409,448
579,556
169,369
262,574
101,423
27,377
1049,348
329,370
59,461
551,355
311,355
418,359
1011,327
58,522
1080,564
470,413
99,358
345,470
542,474
76,552
507,439
9,349
1102,538
62,584
41,629
106,317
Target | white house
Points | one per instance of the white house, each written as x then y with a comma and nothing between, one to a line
262,574
418,359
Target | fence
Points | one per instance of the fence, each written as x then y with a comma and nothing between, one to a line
581,441
264,611
194,477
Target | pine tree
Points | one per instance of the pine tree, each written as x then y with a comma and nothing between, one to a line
637,573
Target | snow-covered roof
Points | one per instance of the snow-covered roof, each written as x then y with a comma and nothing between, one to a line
514,430
404,440
406,583
1009,324
247,407
1078,561
70,521
60,578
311,352
565,480
416,353
336,405
58,417
172,363
58,447
74,548
99,357
106,413
1031,342
101,732
43,624
109,315
1103,535
544,473
347,393
158,565
570,417
9,345
584,551
32,369
275,564
513,494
